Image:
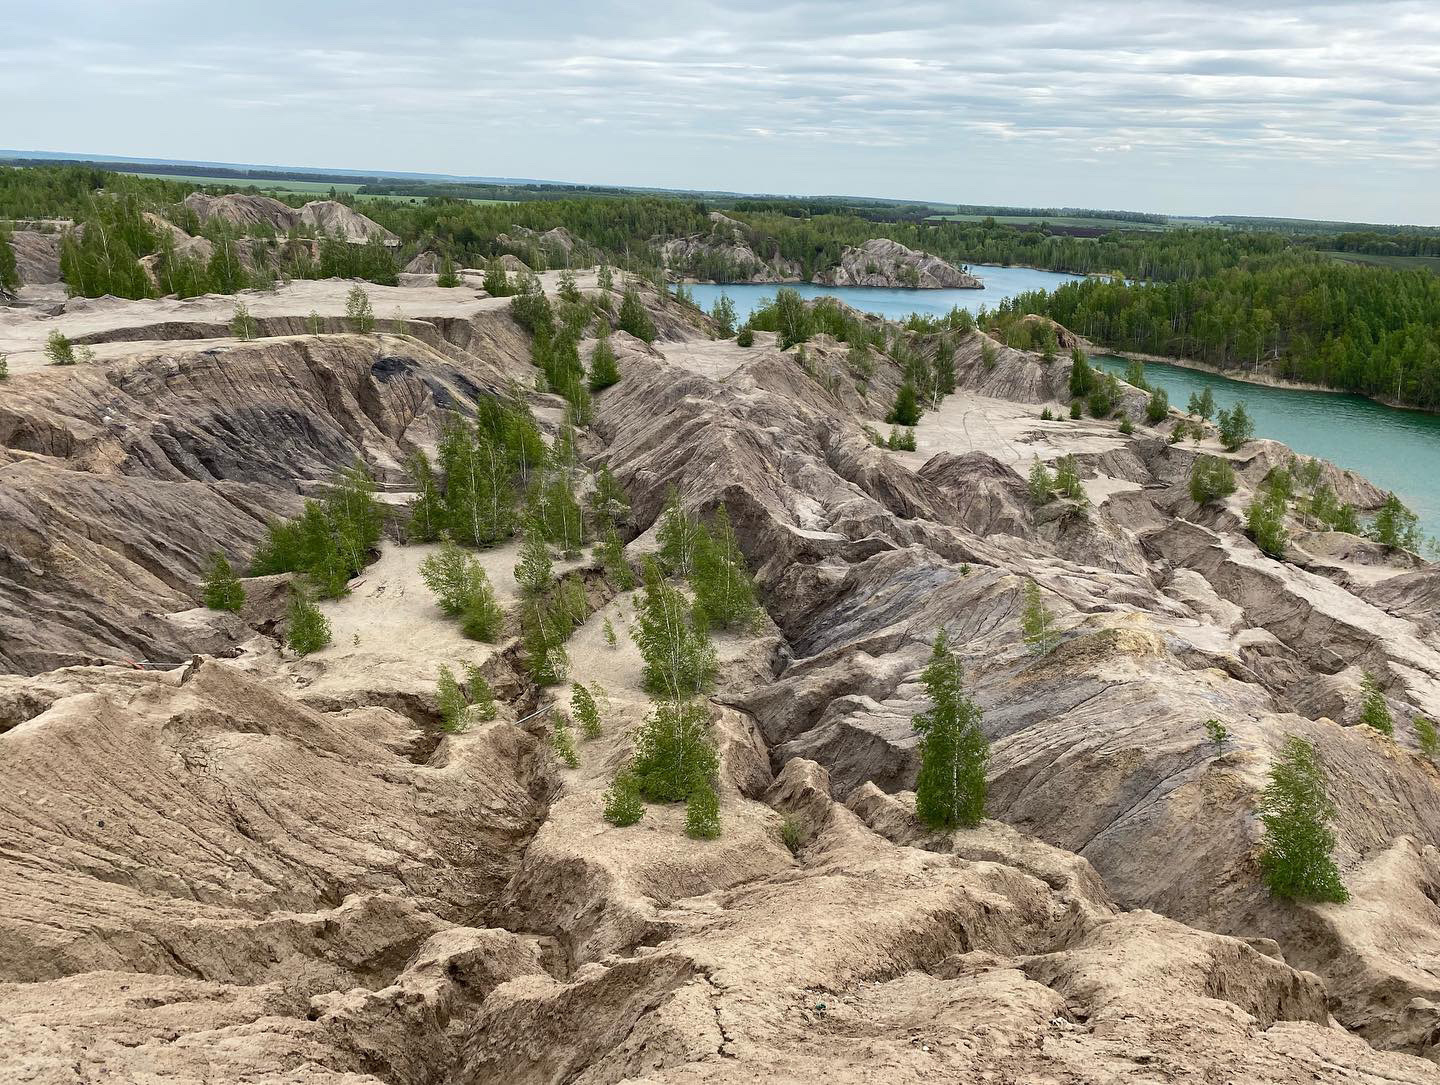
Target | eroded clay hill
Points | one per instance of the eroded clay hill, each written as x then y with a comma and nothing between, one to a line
245,866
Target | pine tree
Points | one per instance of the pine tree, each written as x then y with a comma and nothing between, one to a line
674,753
586,711
609,504
723,314
1037,623
1236,427
906,409
635,319
702,813
603,369
496,283
1373,709
242,324
1042,484
448,276
623,805
677,535
450,701
724,590
534,572
1217,733
1202,404
950,787
1082,377
1297,857
427,511
222,587
1158,408
605,278
309,630
1067,479
679,659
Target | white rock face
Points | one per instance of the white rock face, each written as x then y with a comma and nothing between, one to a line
882,262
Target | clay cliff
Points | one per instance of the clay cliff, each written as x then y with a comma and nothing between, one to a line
249,212
248,866
882,262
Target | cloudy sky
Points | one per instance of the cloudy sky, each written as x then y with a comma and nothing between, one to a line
1315,109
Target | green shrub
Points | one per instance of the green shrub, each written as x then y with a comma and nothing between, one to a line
1211,478
1076,409
745,337
1041,484
222,587
1037,623
702,813
1265,520
1373,709
1296,858
623,805
635,319
1158,409
1236,427
792,834
309,629
562,742
587,712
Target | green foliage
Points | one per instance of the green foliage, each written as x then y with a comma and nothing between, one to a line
605,278
1395,525
950,786
496,283
563,742
988,354
1373,709
1135,375
1076,409
679,659
4,368
702,813
1236,427
724,590
543,632
481,618
745,337
603,369
586,711
1426,735
309,630
1217,732
1202,404
242,324
222,589
612,557
677,535
1158,408
1037,624
1067,479
448,276
1082,378
61,351
450,701
1296,860
723,313
611,639
792,834
674,753
906,409
901,439
1211,478
481,696
623,805
1042,484
9,272
1265,520
635,318
358,311
330,542
534,573
608,501
427,511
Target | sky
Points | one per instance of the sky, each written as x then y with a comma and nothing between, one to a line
1315,109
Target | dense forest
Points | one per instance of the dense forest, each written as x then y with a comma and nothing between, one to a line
1296,315
1255,299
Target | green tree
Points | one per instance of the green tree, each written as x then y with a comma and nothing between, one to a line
480,618
1395,525
603,369
4,368
609,504
59,349
679,659
1217,733
674,753
563,742
448,276
635,319
1373,709
1037,623
1211,478
358,311
1202,404
745,337
1158,408
611,639
1297,854
222,587
480,695
677,535
1067,479
450,701
1082,377
427,511
586,711
1265,520
950,786
309,629
702,813
623,805
724,590
1042,483
1236,427
534,573
723,313
496,283
242,324
906,409
444,573
605,278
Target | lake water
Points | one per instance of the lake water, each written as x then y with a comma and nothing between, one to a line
895,304
1397,450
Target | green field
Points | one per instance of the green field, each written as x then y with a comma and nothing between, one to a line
300,187
1400,263
1057,220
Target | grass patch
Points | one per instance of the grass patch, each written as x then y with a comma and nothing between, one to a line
1398,263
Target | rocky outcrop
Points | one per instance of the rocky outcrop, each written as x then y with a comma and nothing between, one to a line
557,246
882,262
334,219
37,257
250,212
725,254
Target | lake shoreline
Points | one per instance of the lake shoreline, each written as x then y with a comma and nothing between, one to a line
1264,380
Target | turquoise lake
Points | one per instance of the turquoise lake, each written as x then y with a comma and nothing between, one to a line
1397,450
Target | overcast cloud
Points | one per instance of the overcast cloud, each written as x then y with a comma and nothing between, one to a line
1314,109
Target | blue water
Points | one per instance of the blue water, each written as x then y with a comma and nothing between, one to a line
1397,450
896,304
